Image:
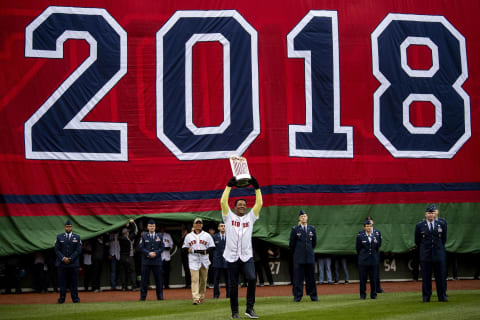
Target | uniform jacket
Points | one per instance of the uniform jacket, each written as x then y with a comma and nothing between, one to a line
302,244
378,235
70,248
367,250
431,244
218,259
148,245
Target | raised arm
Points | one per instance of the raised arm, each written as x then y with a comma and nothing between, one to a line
225,195
258,197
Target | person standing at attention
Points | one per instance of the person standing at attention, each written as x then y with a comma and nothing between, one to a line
68,248
151,248
303,240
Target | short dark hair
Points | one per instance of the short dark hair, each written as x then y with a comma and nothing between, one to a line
236,201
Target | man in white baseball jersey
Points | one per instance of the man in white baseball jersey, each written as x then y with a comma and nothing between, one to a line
238,250
198,243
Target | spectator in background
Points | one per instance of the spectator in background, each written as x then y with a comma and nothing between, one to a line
340,261
87,264
166,256
39,272
476,265
184,255
68,248
98,257
415,263
324,267
211,231
13,271
52,277
219,263
261,251
126,263
114,257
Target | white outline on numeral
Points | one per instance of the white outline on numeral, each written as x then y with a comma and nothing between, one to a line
404,57
159,85
406,113
306,55
204,37
76,122
385,84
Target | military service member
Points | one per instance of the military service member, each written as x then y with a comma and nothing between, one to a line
367,247
430,238
303,239
68,248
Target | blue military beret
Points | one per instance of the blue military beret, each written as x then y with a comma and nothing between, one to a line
432,207
151,221
68,223
301,213
367,222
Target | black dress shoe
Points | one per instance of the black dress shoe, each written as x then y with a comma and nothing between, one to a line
443,300
426,299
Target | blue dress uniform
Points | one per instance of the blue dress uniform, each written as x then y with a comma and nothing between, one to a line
431,244
219,264
68,246
302,242
367,250
151,243
378,235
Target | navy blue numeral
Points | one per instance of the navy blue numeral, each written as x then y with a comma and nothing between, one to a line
440,85
241,119
56,130
315,39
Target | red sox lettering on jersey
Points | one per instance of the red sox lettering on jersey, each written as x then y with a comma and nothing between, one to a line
239,236
201,241
237,224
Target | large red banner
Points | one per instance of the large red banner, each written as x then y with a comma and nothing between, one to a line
133,107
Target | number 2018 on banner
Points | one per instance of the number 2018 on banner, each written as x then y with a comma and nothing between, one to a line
56,130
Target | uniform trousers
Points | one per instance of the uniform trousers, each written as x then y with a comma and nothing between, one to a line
157,274
377,276
68,277
365,272
199,282
216,281
438,269
300,272
248,269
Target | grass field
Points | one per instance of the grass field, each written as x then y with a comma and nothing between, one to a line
463,304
